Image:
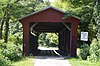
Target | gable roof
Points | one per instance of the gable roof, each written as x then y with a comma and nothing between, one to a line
43,10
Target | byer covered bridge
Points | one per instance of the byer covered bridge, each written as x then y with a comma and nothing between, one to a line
50,19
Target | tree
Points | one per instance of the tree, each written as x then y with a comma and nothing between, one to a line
12,10
48,39
84,9
96,17
7,10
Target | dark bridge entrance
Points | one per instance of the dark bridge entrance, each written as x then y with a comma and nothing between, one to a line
52,27
50,19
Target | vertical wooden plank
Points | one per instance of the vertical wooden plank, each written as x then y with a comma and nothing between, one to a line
67,41
59,37
33,44
64,40
26,39
60,41
73,40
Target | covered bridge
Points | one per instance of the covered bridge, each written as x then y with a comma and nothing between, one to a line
50,19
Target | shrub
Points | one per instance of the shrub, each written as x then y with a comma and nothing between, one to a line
12,51
4,61
84,51
2,44
79,43
16,38
94,51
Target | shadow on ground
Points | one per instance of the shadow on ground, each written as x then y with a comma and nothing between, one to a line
50,53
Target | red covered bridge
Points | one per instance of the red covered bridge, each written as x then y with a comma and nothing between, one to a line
50,19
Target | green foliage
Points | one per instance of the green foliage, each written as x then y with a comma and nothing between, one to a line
79,62
12,51
64,5
96,17
87,10
16,38
12,10
26,61
80,43
48,39
84,51
94,51
4,61
84,9
2,44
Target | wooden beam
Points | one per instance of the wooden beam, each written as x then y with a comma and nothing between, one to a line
62,30
32,30
67,26
73,40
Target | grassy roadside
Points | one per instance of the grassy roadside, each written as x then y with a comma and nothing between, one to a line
79,62
24,62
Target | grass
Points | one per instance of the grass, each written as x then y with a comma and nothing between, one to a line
79,62
24,62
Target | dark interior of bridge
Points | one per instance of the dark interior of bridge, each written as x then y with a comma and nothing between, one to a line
63,29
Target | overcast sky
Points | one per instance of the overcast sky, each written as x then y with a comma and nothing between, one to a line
50,0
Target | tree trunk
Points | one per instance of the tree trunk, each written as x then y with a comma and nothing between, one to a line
1,29
7,23
6,30
6,19
2,23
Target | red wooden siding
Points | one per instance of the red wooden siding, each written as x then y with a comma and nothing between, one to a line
49,15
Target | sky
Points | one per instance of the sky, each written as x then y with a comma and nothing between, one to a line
50,0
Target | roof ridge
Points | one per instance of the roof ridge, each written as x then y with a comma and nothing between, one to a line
43,10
